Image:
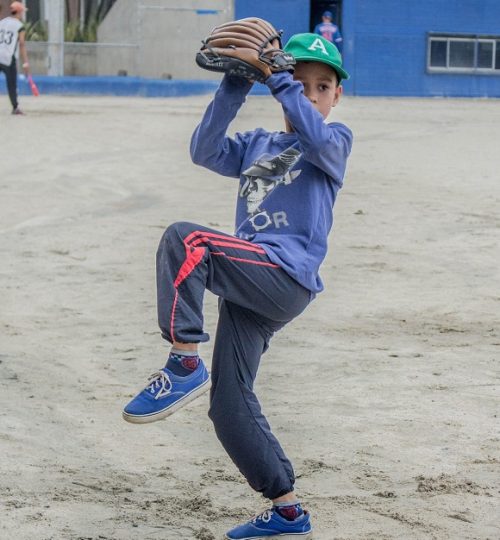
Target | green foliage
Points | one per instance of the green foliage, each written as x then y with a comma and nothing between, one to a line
36,31
88,34
90,30
73,31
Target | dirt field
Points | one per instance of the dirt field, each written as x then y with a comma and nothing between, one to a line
384,393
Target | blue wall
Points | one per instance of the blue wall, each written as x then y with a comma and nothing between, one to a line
385,46
385,41
112,86
119,86
291,16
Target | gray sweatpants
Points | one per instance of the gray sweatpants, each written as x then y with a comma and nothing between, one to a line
256,298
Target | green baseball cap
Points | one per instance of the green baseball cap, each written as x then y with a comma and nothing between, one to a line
315,48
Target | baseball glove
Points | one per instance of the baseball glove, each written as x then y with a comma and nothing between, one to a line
249,48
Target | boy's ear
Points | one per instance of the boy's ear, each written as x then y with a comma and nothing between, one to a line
336,97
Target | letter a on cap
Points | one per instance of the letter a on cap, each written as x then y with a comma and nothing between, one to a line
318,44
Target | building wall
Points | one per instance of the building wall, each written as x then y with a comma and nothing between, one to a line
385,46
291,16
121,27
163,37
79,58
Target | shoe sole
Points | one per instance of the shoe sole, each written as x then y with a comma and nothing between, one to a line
284,536
161,415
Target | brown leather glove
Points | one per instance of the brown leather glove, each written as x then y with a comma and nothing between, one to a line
249,48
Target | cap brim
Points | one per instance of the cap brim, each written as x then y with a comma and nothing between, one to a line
342,72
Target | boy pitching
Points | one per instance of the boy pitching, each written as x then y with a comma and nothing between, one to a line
265,274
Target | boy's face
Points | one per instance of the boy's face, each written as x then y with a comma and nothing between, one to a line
320,85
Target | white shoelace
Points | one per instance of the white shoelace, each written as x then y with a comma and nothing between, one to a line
265,516
162,381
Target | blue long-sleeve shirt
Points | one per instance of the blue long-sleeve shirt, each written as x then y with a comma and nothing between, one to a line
288,181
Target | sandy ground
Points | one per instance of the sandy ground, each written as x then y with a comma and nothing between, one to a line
385,392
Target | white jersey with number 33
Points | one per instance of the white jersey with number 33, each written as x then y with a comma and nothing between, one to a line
9,37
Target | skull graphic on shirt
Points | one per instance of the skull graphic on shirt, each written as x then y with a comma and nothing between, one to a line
266,174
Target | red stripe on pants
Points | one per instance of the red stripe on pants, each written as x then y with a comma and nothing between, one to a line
194,255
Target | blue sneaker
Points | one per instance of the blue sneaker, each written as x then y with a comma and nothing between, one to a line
271,525
166,393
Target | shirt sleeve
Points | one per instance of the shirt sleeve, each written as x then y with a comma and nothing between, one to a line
325,145
210,146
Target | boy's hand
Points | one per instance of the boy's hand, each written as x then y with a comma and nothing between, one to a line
248,48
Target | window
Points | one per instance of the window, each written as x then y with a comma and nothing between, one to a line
463,53
438,53
485,54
